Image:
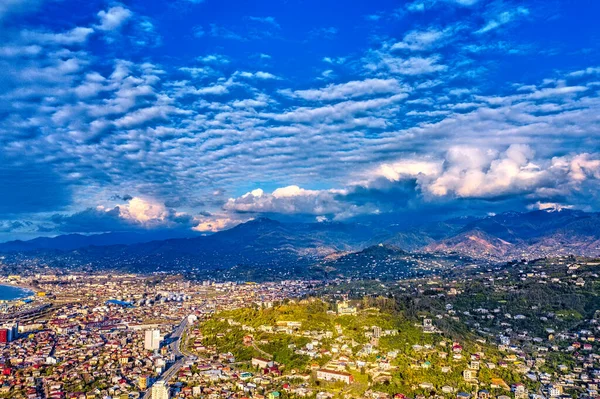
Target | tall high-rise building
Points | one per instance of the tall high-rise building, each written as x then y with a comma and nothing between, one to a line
9,332
160,390
152,340
15,329
4,335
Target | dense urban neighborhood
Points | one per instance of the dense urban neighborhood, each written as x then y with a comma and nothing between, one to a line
299,199
527,329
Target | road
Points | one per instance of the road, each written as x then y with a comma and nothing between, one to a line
176,335
262,352
176,349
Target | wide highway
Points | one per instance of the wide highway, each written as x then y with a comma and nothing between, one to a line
179,356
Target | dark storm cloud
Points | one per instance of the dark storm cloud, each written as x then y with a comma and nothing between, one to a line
94,220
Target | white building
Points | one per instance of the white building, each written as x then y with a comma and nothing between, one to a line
152,340
160,390
555,390
343,308
376,331
331,375
262,363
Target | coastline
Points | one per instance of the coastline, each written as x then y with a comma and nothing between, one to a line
18,292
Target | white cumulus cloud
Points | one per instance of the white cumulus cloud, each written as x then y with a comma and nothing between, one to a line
113,18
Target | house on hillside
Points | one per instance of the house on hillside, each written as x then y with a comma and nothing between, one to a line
330,375
262,363
469,375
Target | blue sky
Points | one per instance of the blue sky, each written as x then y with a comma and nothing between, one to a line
198,115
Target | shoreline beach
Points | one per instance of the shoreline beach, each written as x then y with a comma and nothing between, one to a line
10,292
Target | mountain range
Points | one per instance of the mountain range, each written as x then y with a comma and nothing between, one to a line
69,242
268,243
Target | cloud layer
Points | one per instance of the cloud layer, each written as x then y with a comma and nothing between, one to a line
215,121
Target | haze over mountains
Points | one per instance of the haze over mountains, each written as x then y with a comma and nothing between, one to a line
68,242
271,243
